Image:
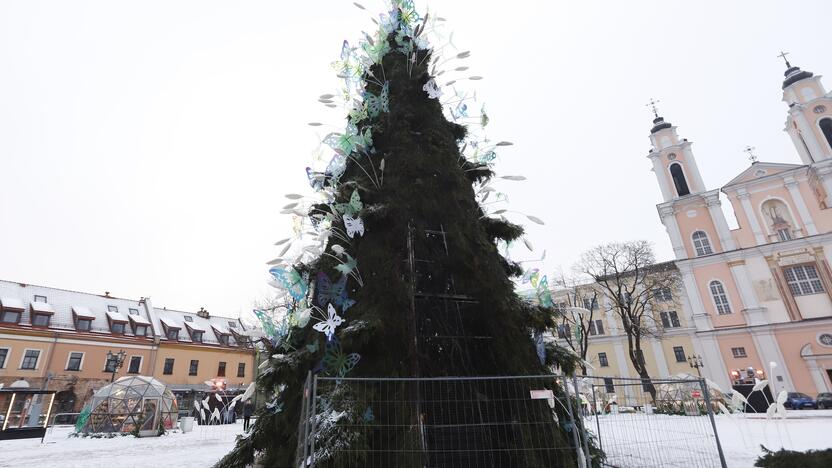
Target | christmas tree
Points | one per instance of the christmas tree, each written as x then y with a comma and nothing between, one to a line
400,272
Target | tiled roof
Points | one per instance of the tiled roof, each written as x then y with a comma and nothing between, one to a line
66,305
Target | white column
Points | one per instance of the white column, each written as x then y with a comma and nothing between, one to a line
661,176
623,370
691,290
752,217
808,133
802,211
715,369
769,351
668,217
740,274
715,210
699,185
661,361
801,149
817,376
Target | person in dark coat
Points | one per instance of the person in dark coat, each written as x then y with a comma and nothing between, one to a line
248,410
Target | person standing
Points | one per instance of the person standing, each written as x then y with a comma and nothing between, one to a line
248,410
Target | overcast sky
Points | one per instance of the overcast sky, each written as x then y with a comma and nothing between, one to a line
145,147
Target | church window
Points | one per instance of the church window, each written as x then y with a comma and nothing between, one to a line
679,180
720,298
826,127
803,280
702,244
819,109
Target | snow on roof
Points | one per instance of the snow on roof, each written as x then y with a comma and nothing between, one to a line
139,319
116,316
12,303
42,307
194,326
169,323
220,329
84,312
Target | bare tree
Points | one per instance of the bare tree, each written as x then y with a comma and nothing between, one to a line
631,279
574,325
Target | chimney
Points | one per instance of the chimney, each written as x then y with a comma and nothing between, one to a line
203,313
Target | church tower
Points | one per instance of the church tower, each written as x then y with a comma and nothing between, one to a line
691,214
809,121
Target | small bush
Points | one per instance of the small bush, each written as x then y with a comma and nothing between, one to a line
790,459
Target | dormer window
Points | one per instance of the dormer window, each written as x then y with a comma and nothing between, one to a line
118,322
40,298
40,313
83,324
171,329
11,310
139,324
222,334
197,333
83,318
133,311
112,308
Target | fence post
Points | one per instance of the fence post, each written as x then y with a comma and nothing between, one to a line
597,422
571,411
584,433
707,395
313,405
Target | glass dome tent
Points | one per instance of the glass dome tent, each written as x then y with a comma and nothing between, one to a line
132,400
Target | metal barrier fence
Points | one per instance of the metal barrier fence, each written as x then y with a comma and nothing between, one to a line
519,421
652,423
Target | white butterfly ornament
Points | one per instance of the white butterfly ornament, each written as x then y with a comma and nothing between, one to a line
354,226
328,326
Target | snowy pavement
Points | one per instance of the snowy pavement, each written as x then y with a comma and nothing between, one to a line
741,438
201,448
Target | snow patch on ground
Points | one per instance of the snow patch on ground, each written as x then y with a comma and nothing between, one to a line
201,448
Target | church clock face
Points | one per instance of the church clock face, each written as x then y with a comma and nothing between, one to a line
825,339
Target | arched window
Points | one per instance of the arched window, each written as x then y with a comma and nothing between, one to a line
826,127
679,179
780,222
720,298
701,244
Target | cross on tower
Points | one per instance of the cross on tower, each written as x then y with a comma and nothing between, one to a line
751,156
652,105
783,56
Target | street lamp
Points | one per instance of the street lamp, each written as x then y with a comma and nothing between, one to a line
114,362
695,362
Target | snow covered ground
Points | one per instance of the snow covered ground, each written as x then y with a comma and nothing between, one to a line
639,440
201,448
627,439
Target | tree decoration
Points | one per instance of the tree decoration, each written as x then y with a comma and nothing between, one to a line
398,210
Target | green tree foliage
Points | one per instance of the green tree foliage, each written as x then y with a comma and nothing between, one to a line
405,177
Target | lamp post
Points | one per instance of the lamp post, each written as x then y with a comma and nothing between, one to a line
695,362
114,362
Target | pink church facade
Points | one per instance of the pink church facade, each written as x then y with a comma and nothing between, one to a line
760,295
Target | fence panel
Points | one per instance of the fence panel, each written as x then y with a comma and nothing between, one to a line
651,423
442,422
521,421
